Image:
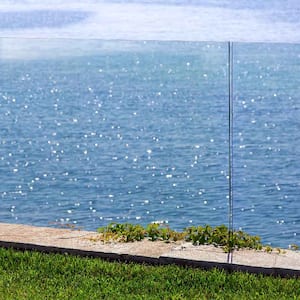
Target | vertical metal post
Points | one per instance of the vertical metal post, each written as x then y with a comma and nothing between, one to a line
230,150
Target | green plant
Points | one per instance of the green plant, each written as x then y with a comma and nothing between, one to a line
219,236
199,235
153,231
128,233
244,240
294,247
268,249
122,232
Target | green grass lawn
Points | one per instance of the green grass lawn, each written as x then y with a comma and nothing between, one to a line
32,275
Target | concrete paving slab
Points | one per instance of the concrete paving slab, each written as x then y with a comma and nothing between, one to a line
79,242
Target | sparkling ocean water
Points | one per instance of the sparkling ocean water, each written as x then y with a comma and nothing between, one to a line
106,130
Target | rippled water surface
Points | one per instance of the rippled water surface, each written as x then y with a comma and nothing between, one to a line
101,131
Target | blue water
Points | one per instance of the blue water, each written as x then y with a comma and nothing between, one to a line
124,135
95,131
266,150
138,132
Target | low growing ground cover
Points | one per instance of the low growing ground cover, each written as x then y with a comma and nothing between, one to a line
219,236
33,275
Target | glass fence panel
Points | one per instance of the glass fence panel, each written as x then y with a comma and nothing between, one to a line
267,141
94,132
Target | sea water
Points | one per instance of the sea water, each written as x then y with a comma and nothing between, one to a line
134,133
138,132
99,131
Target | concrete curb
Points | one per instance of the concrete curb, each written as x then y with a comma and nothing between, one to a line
161,260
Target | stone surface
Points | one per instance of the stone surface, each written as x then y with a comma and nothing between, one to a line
46,239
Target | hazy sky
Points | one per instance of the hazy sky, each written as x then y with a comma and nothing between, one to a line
207,20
